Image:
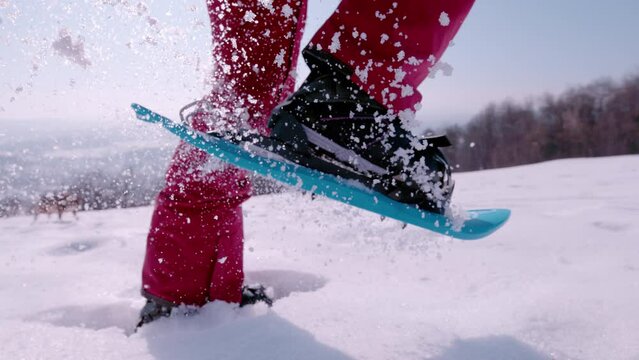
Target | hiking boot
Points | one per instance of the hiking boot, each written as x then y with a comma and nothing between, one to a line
153,310
251,294
332,118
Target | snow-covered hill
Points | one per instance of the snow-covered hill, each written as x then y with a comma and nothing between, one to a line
559,281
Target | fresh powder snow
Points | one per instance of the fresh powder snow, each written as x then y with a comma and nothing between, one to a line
559,281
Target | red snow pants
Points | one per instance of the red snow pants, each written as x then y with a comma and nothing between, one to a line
195,242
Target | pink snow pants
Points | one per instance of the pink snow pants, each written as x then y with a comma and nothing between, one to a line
195,242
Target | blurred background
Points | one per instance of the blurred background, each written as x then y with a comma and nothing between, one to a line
524,82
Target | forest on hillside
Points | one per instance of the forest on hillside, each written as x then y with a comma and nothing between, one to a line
598,119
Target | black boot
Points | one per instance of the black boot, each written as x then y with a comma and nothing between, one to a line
251,294
154,310
332,118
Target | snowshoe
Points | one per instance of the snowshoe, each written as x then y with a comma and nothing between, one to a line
264,160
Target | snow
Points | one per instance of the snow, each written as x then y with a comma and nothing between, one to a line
335,43
65,47
287,11
249,16
559,281
279,58
444,20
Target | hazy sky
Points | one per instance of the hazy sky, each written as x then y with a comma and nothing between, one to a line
157,55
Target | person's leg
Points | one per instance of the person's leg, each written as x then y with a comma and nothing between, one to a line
255,49
227,274
188,222
391,45
194,246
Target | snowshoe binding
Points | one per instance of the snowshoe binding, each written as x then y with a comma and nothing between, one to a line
351,135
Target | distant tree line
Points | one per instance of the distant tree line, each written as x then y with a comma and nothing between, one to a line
599,119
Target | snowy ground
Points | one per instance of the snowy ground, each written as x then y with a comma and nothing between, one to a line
559,281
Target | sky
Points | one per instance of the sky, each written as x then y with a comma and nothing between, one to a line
157,53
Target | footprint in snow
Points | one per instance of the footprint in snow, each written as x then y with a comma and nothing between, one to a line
119,315
611,226
75,247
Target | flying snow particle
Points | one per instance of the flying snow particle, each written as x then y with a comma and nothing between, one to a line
74,52
445,68
362,74
383,38
279,59
407,116
399,75
407,90
141,8
444,20
249,16
335,44
414,61
472,144
222,260
151,20
287,11
160,260
267,4
150,40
